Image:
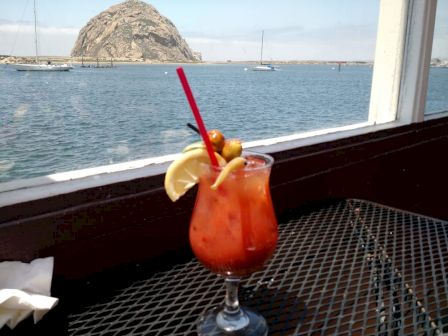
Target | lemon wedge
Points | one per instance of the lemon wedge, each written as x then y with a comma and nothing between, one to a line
234,164
194,145
184,172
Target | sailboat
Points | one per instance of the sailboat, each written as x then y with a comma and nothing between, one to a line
266,66
40,66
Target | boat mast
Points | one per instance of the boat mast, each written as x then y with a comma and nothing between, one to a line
261,56
35,30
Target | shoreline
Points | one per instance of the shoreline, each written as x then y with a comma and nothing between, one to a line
6,59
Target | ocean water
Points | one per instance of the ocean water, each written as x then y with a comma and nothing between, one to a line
55,122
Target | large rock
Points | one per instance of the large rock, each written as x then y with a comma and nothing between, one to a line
132,30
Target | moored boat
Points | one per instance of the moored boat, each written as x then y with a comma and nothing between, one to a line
263,66
42,67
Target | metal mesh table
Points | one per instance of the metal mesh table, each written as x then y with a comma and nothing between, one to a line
348,268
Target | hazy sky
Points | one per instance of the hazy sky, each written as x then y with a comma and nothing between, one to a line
220,30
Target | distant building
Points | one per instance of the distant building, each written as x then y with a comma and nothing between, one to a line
437,62
197,55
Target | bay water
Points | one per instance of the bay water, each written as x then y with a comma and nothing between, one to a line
59,121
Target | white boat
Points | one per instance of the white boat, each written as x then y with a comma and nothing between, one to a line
40,66
261,66
265,67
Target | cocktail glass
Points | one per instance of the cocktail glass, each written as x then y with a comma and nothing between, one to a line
233,232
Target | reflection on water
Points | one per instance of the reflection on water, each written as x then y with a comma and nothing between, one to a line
21,111
6,165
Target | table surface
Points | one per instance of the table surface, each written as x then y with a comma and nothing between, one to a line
347,268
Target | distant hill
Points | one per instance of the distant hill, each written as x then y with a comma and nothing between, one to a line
134,31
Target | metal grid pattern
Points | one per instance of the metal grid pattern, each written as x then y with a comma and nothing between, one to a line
349,268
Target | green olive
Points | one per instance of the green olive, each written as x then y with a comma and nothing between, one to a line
232,148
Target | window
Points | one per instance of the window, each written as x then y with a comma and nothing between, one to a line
437,99
88,118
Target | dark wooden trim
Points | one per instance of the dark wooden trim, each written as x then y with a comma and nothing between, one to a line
401,167
92,230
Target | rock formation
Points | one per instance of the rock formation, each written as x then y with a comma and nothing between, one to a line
135,31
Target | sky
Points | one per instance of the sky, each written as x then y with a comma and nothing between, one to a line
220,30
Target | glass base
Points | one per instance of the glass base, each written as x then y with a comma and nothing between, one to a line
253,324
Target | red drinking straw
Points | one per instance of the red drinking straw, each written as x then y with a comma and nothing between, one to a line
197,115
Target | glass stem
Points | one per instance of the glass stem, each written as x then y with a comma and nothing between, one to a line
232,305
232,318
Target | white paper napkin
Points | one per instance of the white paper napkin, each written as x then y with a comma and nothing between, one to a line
25,290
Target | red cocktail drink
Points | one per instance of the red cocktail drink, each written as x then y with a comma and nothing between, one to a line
233,229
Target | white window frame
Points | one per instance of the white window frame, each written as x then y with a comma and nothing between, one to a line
398,96
402,58
417,59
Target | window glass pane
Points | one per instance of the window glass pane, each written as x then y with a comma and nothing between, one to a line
92,116
437,98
